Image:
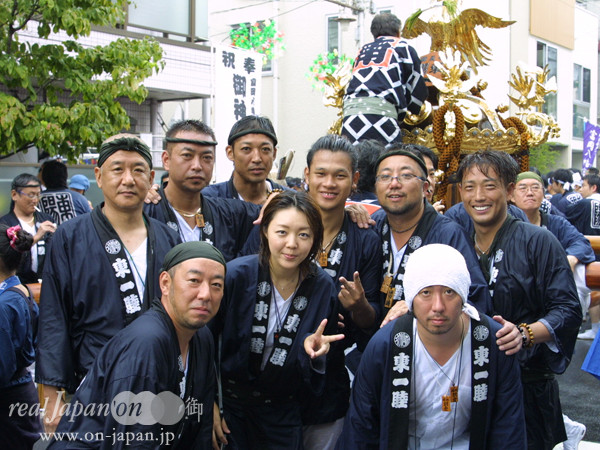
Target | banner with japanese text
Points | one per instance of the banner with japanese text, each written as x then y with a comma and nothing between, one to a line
236,87
591,137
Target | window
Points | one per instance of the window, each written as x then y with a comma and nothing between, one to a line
547,56
581,98
333,35
185,20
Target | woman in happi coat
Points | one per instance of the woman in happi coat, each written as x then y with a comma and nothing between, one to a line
269,349
19,427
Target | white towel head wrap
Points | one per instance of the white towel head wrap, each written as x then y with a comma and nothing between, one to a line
438,265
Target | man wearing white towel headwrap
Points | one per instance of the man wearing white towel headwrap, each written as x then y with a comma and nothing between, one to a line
437,374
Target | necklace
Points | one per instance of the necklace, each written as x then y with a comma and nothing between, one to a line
323,253
279,318
28,221
479,248
453,397
197,215
405,230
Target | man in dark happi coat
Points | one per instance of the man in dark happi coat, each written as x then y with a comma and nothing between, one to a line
434,378
166,353
407,221
252,147
386,83
531,284
190,157
101,271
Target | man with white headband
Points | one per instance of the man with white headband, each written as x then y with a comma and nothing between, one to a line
436,374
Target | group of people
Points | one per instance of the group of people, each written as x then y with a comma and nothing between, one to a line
235,314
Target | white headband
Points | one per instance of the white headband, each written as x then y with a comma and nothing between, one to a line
438,265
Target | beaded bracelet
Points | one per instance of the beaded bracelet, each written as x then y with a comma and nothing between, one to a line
530,332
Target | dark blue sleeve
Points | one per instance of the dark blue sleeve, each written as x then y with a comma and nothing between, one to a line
555,284
363,424
458,214
571,240
55,364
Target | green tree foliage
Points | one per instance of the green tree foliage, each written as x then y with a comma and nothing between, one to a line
543,157
62,96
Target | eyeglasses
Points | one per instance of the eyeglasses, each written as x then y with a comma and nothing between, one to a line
535,188
402,178
29,195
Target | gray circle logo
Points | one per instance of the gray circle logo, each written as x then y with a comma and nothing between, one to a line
112,247
402,339
263,289
481,332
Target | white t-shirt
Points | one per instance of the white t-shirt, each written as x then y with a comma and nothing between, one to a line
138,263
434,427
283,306
30,228
185,231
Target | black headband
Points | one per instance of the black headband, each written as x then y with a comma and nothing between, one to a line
107,149
189,141
233,137
191,250
418,160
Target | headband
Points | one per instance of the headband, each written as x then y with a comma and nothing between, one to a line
191,250
190,141
450,271
529,176
418,160
132,144
232,137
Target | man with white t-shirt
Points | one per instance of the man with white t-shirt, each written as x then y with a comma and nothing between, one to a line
101,272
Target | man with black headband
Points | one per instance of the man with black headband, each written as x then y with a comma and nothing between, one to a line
166,354
101,271
190,157
406,222
435,378
252,146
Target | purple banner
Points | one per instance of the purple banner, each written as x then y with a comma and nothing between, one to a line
591,136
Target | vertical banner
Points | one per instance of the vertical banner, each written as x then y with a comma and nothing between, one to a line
238,75
591,136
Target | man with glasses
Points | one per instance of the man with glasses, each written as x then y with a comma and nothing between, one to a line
407,222
25,195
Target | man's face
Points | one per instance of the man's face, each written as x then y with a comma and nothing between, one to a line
484,197
528,195
125,178
587,190
431,178
26,198
252,156
400,197
193,294
330,179
190,166
437,310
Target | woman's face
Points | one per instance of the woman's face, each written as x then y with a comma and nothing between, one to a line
290,239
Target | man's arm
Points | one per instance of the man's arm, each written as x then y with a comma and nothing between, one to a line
55,368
